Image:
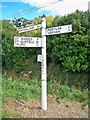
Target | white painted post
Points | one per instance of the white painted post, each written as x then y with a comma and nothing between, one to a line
43,67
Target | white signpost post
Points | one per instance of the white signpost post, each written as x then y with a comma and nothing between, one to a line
41,42
43,67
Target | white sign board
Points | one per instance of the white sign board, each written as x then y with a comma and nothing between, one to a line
59,30
39,58
30,28
27,41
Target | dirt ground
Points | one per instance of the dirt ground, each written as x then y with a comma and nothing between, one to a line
56,109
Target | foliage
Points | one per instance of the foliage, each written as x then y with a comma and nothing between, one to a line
68,50
64,91
21,22
73,79
31,89
13,58
21,89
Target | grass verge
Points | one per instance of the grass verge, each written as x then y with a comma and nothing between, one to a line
31,89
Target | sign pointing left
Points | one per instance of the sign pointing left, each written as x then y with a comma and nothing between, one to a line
30,28
27,41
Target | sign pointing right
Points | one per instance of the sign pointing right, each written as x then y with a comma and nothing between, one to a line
59,30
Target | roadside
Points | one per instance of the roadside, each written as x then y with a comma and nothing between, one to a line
32,109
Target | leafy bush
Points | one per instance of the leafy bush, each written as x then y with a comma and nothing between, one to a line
69,50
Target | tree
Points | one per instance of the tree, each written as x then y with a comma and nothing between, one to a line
21,22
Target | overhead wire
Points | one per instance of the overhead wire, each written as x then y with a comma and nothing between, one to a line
33,8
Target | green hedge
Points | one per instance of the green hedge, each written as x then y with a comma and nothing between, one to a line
69,50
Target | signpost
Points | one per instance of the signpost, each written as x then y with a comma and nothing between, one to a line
41,42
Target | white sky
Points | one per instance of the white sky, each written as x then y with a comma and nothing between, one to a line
60,8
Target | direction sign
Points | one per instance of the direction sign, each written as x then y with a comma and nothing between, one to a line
59,30
30,28
39,58
27,41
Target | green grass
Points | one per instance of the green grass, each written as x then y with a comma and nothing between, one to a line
31,89
21,89
64,91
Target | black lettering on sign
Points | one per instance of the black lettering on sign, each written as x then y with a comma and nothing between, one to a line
16,41
32,27
24,29
56,28
59,28
21,38
29,41
52,30
42,68
69,28
42,65
42,59
56,31
32,41
22,42
47,30
37,42
43,80
38,26
21,30
26,40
